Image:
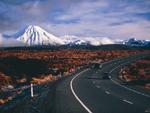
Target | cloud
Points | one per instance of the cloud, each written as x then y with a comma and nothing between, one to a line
9,42
111,18
107,41
83,8
96,41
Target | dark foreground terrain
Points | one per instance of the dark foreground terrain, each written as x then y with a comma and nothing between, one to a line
65,81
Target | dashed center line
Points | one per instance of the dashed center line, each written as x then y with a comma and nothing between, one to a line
93,82
129,102
98,86
107,92
147,110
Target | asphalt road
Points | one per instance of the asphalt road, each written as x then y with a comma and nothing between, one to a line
87,92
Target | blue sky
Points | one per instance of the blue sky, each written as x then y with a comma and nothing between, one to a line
116,19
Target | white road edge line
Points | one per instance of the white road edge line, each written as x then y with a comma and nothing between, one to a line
130,89
73,92
127,101
117,83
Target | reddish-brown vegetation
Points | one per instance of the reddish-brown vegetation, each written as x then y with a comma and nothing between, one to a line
4,79
24,66
138,71
44,79
4,100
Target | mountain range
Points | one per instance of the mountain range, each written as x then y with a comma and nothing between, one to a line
135,42
36,36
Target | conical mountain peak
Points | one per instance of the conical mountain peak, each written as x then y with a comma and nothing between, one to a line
35,35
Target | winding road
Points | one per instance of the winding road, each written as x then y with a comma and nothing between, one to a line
87,92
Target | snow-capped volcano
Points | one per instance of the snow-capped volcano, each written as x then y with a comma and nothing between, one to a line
34,35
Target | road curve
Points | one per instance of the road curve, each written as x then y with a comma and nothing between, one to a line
86,92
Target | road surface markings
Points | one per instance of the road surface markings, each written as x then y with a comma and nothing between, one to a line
93,82
107,92
147,110
73,92
129,102
98,86
130,89
117,83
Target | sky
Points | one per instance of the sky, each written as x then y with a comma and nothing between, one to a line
116,19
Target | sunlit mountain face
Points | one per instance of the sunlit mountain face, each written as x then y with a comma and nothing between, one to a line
36,36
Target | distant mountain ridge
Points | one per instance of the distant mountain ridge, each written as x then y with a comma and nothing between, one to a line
94,41
136,42
36,36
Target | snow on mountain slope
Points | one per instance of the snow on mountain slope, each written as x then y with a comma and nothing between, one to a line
73,40
95,41
34,35
135,42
